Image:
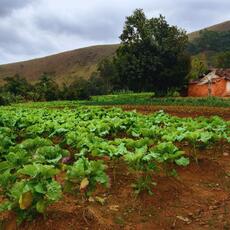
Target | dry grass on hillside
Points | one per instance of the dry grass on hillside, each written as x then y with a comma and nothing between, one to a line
63,67
224,26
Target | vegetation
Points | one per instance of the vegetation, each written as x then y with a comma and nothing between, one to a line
132,99
199,67
214,47
151,56
30,168
222,59
210,41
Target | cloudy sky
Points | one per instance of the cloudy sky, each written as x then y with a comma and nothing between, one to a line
35,28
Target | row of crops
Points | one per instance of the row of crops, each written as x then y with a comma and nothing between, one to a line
38,145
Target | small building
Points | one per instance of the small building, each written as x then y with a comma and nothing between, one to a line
215,83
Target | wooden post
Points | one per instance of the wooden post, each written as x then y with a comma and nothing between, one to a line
209,87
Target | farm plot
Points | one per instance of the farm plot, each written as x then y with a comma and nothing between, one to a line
105,168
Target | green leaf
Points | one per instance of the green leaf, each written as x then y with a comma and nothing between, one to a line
183,161
54,191
41,206
6,206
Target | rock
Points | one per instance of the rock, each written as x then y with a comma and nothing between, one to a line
213,207
225,154
185,219
220,217
91,199
100,200
114,207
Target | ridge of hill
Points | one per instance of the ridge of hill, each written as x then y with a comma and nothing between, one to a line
224,26
63,67
67,66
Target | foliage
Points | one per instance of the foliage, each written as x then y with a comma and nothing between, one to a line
199,67
31,162
210,41
32,191
86,175
222,59
17,86
151,55
46,88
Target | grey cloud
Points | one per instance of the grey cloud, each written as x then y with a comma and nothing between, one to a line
7,6
33,28
94,28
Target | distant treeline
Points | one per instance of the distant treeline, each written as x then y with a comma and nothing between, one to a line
211,48
18,89
210,41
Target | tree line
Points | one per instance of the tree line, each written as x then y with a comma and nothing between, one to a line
17,88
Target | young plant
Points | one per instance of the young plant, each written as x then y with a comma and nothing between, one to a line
84,175
139,163
166,153
33,191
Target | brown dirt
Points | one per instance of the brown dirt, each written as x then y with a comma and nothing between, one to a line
181,111
198,198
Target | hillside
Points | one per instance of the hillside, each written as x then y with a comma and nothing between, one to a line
63,67
224,26
66,66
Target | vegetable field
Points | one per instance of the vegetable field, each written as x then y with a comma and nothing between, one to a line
99,168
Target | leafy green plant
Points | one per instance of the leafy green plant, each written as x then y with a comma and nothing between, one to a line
166,153
145,166
50,154
84,175
33,190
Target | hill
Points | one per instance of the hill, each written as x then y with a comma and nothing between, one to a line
224,26
63,67
67,66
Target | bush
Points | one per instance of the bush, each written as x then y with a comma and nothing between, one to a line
7,98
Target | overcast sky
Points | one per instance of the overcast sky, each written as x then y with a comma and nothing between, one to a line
35,28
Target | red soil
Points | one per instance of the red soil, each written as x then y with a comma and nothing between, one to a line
182,111
198,198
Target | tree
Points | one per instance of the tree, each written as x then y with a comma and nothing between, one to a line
107,72
17,85
47,89
222,59
199,67
152,54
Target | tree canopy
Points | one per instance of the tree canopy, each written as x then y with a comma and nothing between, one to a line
151,56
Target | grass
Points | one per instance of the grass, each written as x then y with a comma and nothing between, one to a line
63,67
135,99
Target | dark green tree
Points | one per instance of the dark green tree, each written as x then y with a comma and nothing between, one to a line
108,74
152,55
17,85
222,59
47,89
